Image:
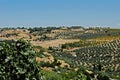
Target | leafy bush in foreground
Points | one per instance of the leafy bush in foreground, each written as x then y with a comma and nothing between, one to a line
17,61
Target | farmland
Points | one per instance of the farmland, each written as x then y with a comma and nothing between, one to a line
59,51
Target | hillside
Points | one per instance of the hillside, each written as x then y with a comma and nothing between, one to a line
71,53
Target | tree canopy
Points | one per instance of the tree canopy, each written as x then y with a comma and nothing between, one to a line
17,61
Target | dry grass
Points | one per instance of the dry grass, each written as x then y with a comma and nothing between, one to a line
57,42
106,38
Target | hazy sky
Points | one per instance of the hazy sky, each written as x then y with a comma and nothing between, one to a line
60,13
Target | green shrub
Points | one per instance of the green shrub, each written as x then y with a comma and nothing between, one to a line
17,61
51,75
102,76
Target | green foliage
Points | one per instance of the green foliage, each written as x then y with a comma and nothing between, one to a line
35,29
97,67
69,74
50,48
66,46
40,48
51,75
76,75
81,43
17,61
49,29
102,76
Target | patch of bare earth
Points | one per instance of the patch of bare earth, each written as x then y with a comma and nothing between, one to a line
50,59
58,42
19,34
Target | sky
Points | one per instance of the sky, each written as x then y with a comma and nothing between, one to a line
44,13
